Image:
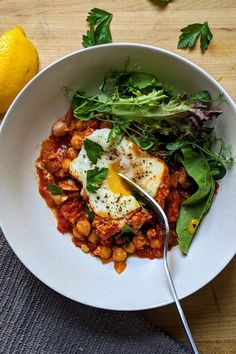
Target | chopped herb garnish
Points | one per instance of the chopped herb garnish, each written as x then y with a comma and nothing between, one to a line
55,190
127,233
94,151
94,178
90,214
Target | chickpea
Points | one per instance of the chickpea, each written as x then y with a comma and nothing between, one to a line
83,227
139,241
59,199
76,141
182,176
66,164
59,128
119,255
130,248
80,126
93,237
119,267
76,234
103,252
151,233
60,173
155,243
71,153
85,248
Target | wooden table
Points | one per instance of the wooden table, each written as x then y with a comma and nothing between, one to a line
56,28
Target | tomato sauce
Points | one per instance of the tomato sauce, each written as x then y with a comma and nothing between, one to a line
70,207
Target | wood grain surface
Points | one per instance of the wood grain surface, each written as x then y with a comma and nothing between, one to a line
56,28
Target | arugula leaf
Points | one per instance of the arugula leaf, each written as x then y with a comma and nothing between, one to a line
143,143
191,33
94,151
119,129
99,28
84,106
55,190
203,96
94,178
193,209
114,133
127,233
90,214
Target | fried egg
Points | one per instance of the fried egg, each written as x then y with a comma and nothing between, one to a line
113,199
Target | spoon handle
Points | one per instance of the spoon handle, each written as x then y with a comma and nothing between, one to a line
156,207
178,305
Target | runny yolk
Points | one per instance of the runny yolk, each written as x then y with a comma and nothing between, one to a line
115,183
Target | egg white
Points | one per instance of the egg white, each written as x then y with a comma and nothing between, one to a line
146,170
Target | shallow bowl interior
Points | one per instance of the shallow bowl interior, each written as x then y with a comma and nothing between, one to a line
29,225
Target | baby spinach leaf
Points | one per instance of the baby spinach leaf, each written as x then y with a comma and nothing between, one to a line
218,170
197,167
190,217
194,208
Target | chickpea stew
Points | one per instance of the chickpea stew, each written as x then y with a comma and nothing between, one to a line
79,163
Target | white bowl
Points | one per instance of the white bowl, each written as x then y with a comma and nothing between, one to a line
29,225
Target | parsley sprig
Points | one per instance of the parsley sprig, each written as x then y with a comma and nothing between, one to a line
191,33
99,28
94,151
95,178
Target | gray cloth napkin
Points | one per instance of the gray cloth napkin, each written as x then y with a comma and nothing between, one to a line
36,320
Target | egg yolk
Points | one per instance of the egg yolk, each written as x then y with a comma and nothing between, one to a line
115,183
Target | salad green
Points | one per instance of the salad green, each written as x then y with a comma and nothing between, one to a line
175,126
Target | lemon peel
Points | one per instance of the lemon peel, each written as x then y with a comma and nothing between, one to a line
18,64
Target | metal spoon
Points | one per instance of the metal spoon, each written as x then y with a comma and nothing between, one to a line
162,216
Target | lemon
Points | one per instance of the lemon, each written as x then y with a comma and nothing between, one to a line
18,64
